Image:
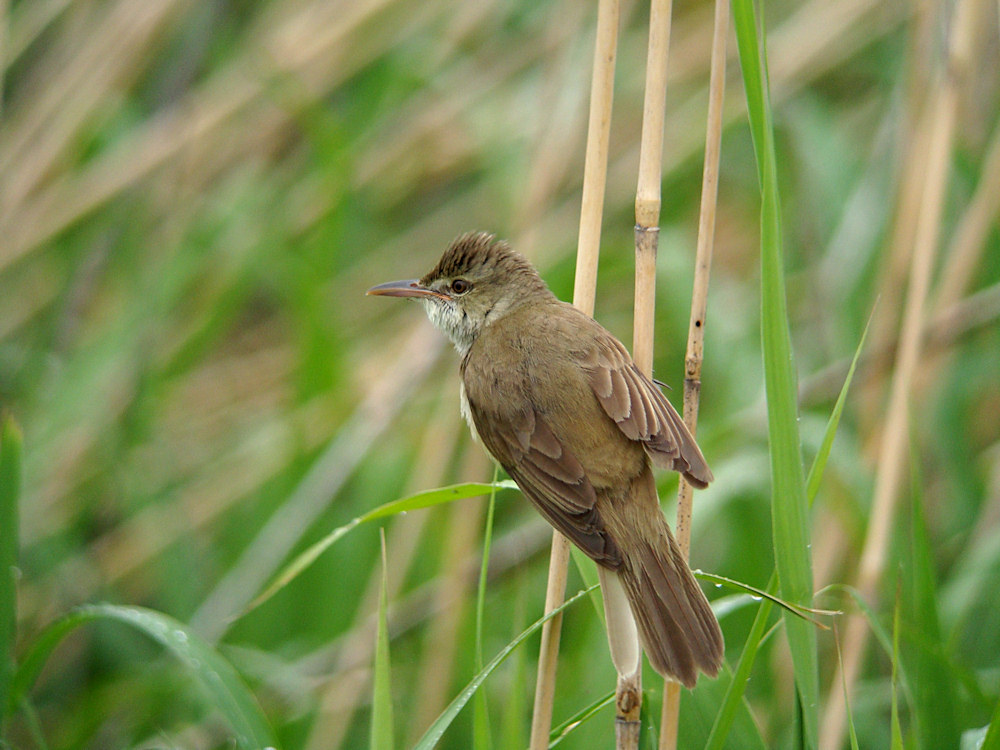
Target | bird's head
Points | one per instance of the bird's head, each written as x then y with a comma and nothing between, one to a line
478,281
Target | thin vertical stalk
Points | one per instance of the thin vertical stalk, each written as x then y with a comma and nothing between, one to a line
584,290
670,714
595,169
647,196
647,231
895,437
647,234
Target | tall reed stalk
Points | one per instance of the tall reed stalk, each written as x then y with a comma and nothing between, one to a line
584,290
670,714
647,231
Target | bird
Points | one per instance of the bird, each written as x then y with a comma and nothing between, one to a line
558,402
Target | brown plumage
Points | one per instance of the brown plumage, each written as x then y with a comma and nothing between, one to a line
557,400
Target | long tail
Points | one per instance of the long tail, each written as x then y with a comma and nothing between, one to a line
677,627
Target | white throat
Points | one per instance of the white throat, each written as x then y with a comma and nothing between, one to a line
453,321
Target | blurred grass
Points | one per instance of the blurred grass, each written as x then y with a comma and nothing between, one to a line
195,197
382,729
10,496
220,685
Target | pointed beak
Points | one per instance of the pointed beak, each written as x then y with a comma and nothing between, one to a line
404,288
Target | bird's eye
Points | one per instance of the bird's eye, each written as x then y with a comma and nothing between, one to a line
460,286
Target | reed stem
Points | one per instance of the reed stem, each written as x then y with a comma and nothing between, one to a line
584,291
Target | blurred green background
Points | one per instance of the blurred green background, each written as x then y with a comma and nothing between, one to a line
194,197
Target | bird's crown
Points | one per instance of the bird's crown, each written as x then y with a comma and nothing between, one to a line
480,255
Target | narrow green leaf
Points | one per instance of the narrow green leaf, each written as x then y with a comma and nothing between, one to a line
789,506
577,720
424,499
897,732
737,686
649,719
382,729
588,572
734,693
992,739
884,638
974,739
220,682
934,685
819,463
516,709
852,733
441,724
10,497
796,609
481,738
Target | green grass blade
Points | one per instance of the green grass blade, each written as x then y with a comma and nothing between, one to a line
425,499
481,738
737,686
441,724
992,739
796,609
852,732
883,637
10,497
734,693
220,682
382,729
819,463
789,510
577,720
516,709
588,572
897,732
934,685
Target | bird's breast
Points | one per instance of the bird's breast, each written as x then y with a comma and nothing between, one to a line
466,411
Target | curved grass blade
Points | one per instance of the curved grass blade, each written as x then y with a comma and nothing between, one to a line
884,639
424,499
217,677
819,463
734,694
992,739
756,593
481,737
897,730
852,732
581,717
437,729
382,728
588,572
10,496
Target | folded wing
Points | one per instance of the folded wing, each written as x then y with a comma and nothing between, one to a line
641,411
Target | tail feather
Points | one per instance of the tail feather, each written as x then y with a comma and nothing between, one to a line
677,627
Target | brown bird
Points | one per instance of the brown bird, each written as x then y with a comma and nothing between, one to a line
558,402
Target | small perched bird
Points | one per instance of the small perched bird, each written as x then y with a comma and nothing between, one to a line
559,403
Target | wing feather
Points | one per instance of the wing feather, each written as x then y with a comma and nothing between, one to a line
641,411
550,477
